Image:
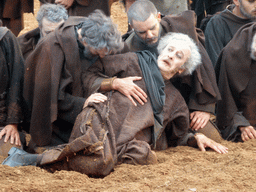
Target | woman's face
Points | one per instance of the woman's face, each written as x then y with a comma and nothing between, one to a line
172,58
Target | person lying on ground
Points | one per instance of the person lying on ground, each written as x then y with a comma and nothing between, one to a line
116,131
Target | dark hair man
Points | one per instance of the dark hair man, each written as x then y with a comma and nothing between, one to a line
199,89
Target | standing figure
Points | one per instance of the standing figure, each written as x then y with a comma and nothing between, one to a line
11,13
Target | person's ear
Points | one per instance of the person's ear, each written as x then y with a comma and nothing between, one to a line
158,16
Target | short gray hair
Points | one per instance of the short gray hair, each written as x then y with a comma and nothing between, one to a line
51,12
98,31
195,58
141,10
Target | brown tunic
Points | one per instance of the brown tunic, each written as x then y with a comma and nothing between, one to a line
116,131
52,86
28,42
236,71
11,78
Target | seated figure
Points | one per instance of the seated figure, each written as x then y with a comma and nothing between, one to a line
116,131
236,73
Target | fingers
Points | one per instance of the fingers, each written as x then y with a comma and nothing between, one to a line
248,133
218,147
203,142
198,120
131,99
201,146
141,93
2,133
127,87
11,134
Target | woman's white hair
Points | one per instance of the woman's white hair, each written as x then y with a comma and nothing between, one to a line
179,38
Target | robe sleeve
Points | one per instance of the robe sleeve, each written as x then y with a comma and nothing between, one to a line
214,38
15,64
69,106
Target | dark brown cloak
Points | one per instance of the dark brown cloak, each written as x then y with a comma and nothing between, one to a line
220,30
53,74
234,73
28,41
199,89
11,78
116,131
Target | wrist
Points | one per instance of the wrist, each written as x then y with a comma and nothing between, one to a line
108,84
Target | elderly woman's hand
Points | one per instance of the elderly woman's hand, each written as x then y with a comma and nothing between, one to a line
95,98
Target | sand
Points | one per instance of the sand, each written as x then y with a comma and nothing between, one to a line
178,169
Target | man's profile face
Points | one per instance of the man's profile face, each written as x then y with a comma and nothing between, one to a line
172,59
48,26
248,8
148,30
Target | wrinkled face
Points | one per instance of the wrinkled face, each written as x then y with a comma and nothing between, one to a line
48,26
172,59
149,30
248,8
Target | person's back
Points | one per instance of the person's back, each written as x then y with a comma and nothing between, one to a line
222,27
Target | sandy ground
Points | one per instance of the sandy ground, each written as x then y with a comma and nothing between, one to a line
178,169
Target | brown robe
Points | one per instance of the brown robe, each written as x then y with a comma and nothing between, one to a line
11,78
52,86
28,41
85,7
11,12
200,89
116,131
236,80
